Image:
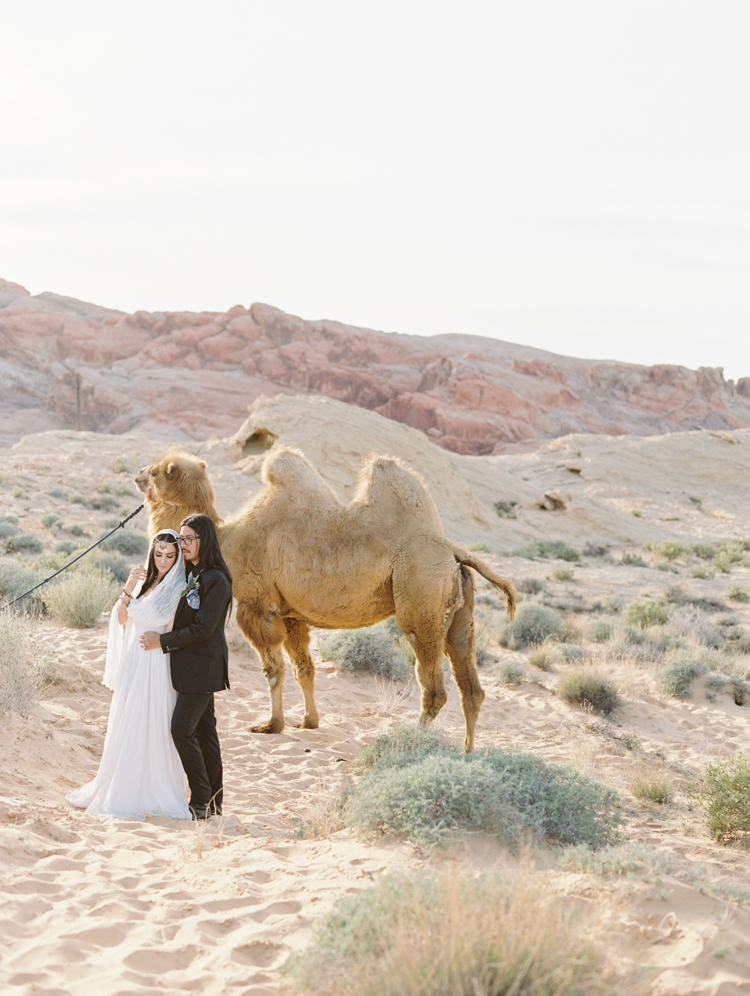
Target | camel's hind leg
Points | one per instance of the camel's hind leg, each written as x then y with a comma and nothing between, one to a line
460,646
429,670
297,645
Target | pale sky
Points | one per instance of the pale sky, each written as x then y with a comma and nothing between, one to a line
564,174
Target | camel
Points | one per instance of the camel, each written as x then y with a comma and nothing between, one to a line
300,558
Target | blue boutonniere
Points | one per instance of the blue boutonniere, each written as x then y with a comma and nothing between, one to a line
191,592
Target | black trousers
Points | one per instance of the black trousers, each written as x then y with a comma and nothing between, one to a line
197,742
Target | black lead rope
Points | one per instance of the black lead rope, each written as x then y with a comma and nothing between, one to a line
106,536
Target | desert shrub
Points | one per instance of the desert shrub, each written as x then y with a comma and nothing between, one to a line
51,521
600,630
429,933
653,790
511,672
498,793
563,574
130,544
78,598
372,650
67,547
675,679
693,624
740,689
534,623
406,745
530,586
632,560
116,565
568,653
543,658
7,529
724,795
480,548
650,612
23,666
570,633
737,594
669,549
57,493
24,542
590,689
75,530
551,549
15,579
699,571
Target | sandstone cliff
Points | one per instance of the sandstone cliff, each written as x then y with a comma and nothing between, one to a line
68,363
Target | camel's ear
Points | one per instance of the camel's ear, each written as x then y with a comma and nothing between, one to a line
170,469
203,464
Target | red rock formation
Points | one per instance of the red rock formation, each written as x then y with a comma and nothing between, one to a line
182,374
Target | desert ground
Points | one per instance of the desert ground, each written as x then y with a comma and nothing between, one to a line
96,905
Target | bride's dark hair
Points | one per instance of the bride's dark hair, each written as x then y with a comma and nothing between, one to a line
151,571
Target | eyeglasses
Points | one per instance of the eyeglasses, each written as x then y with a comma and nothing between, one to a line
182,540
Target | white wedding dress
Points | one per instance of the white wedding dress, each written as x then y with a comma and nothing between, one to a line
140,773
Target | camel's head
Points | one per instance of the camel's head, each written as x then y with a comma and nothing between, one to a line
177,479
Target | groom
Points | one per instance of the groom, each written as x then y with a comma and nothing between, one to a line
199,661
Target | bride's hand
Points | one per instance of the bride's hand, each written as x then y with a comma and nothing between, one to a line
138,573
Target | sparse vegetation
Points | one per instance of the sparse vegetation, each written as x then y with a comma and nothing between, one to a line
432,933
737,594
78,598
511,672
632,560
563,574
534,623
127,542
724,795
600,630
649,612
502,794
677,677
542,658
23,666
653,790
372,650
550,549
590,689
530,586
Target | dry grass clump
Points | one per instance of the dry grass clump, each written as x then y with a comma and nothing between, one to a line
78,598
590,689
23,667
543,658
433,934
724,795
653,790
511,672
554,549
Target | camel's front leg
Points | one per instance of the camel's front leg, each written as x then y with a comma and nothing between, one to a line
273,671
297,645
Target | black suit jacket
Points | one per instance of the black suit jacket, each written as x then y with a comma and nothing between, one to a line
199,659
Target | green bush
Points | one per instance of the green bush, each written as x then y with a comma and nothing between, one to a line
676,678
437,933
632,560
549,549
15,579
24,542
724,795
404,746
372,650
563,573
116,565
23,666
530,586
511,672
669,549
507,795
738,594
590,689
600,630
67,547
78,598
534,623
51,521
650,612
130,544
7,530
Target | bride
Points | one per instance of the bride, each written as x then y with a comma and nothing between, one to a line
140,773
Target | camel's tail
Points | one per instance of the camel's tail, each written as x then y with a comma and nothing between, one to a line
506,587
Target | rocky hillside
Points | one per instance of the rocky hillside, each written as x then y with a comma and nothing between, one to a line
178,375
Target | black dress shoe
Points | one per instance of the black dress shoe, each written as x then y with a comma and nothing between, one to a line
199,812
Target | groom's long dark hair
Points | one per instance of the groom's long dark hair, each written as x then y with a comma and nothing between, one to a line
210,552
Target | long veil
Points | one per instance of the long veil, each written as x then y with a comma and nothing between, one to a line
153,612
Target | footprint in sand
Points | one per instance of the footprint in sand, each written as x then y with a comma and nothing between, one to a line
260,954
